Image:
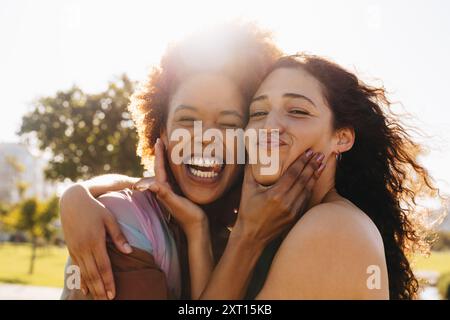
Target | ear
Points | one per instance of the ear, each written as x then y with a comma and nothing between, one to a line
345,138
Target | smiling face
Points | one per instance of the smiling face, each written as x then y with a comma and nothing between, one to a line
292,101
216,101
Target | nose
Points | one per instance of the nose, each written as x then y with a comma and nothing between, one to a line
211,133
274,123
208,133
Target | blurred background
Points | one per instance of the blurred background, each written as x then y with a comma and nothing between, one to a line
67,69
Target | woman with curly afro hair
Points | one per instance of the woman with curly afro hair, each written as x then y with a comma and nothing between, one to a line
210,77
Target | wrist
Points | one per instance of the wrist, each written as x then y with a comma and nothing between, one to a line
245,238
247,232
197,230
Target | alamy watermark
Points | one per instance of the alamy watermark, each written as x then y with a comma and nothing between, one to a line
373,282
73,279
252,146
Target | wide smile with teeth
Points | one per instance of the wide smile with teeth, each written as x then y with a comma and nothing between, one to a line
207,168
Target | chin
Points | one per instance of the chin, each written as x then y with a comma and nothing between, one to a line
265,179
201,197
201,194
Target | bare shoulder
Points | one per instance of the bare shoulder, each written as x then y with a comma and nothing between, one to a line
328,254
339,221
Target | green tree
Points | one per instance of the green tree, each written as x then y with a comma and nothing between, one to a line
4,209
19,169
47,217
36,219
88,134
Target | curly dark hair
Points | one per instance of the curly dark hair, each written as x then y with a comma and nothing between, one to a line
381,173
241,51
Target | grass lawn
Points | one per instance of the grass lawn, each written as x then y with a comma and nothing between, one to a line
50,261
48,268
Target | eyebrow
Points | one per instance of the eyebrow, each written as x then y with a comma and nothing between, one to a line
298,96
184,107
231,112
286,95
224,112
258,98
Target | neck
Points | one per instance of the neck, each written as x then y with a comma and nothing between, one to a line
324,185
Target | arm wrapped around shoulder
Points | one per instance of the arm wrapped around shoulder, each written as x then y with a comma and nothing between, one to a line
136,275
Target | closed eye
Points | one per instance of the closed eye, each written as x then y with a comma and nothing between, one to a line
187,119
230,125
258,114
298,112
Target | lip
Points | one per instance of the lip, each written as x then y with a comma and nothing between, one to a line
203,181
187,158
272,144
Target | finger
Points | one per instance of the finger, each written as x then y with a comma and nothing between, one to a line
104,267
288,179
85,278
307,178
249,179
143,183
319,171
300,205
83,287
302,200
116,235
166,195
160,170
73,261
94,280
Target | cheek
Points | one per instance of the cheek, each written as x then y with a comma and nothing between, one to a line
308,135
305,135
175,168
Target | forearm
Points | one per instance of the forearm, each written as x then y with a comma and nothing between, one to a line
201,261
79,193
108,182
232,274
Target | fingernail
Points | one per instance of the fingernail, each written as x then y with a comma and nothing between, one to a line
110,295
321,168
309,153
320,157
84,291
127,248
142,186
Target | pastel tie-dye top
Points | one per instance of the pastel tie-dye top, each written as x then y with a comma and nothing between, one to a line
144,225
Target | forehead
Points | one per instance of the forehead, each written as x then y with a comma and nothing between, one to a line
208,90
293,80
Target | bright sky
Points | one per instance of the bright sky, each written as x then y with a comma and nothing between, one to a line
49,45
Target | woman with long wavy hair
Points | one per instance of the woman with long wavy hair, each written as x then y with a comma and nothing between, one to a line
362,215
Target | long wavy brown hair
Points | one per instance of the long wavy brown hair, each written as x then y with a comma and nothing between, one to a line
381,173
